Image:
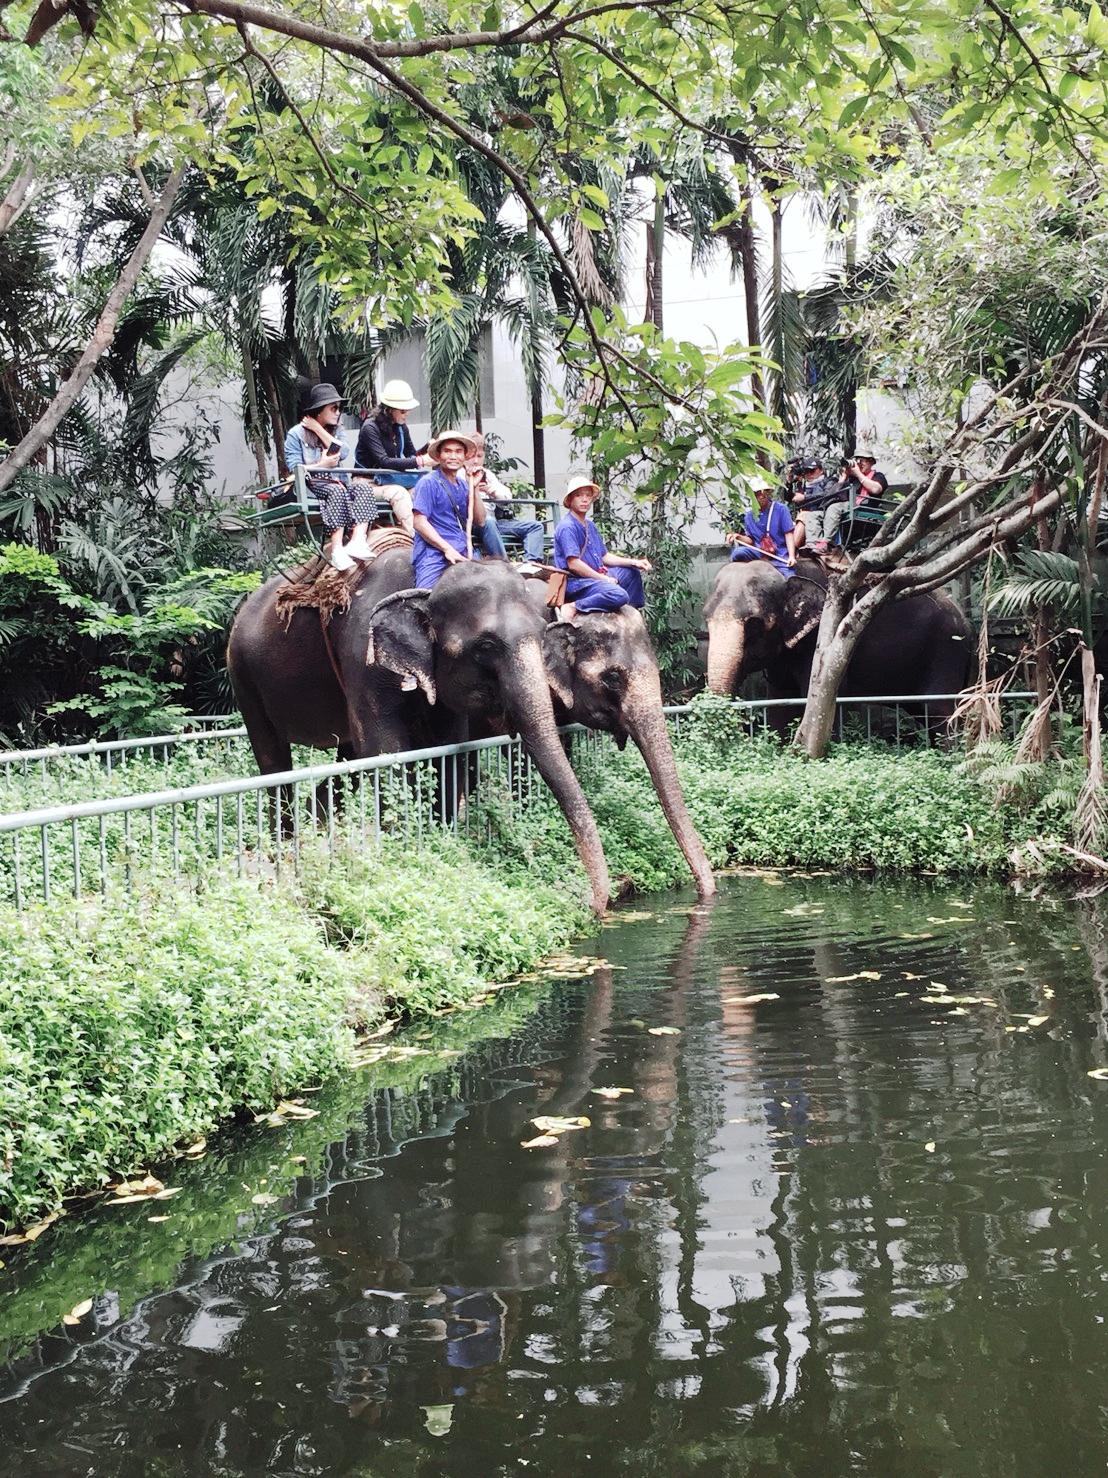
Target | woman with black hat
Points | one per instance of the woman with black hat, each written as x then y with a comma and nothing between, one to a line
344,504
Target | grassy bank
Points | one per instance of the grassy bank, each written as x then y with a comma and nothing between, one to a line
160,1016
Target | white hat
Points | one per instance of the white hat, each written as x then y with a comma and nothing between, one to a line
398,394
576,484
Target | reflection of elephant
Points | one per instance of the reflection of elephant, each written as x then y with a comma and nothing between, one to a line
759,621
409,668
603,674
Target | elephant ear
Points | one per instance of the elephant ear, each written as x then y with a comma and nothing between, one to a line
402,640
559,657
803,608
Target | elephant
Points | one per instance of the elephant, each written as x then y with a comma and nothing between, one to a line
603,674
403,668
759,621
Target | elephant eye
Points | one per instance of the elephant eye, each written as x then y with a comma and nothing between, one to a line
486,645
613,679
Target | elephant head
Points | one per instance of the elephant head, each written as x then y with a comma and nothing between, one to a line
753,615
474,644
602,670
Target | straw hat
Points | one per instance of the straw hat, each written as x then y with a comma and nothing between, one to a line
398,394
444,436
575,486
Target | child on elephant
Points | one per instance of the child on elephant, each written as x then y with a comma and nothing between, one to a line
582,553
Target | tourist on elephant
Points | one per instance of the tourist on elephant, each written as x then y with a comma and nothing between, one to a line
861,477
497,499
811,501
582,553
385,442
768,535
344,503
445,511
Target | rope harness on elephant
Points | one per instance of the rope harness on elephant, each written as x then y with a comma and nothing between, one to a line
322,588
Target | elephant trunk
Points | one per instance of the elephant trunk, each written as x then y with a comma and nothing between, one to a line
646,724
527,699
726,636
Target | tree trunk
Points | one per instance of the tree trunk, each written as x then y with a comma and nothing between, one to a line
276,419
102,335
748,255
15,200
538,439
654,311
254,430
1042,739
840,628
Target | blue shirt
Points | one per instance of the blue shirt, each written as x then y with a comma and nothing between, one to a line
576,538
777,522
445,504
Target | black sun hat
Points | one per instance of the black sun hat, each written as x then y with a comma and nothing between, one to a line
322,395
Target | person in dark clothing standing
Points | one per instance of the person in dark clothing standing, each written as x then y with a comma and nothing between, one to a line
385,442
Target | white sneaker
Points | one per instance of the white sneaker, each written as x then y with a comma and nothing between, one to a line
341,560
358,548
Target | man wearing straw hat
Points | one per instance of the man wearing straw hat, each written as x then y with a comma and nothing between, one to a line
598,580
445,510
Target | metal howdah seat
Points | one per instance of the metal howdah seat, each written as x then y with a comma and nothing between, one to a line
292,501
864,519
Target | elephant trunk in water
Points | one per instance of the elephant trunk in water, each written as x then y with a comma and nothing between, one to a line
646,724
726,636
527,700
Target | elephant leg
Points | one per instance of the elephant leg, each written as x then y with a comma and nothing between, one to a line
272,751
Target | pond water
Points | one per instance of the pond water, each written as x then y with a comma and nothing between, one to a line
856,1226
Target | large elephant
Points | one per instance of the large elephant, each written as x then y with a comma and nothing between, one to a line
603,674
758,621
404,668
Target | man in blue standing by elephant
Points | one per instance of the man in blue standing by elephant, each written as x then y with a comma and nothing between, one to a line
768,535
598,580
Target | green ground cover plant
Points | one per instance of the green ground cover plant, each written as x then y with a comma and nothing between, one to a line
134,1023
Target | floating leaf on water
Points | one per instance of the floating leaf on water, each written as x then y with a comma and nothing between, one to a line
383,1030
31,1233
263,1198
846,979
801,910
78,1312
766,995
147,1186
127,1200
1037,1020
917,936
298,1159
157,1218
910,975
959,1011
900,994
291,1109
555,1124
612,1092
173,1190
197,1149
1100,1073
540,1142
632,916
664,1031
930,1146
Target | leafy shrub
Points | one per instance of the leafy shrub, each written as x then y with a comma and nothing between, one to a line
149,1025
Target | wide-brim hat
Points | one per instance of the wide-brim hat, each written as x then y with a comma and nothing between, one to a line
445,436
398,395
864,457
576,484
323,394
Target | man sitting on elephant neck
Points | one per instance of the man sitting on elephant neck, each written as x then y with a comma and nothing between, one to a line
768,535
582,553
343,504
445,511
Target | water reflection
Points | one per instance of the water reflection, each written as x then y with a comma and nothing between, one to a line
853,1226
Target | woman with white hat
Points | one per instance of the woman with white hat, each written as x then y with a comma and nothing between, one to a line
445,510
385,442
598,580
